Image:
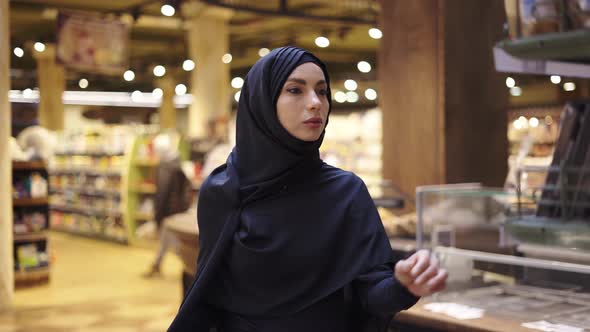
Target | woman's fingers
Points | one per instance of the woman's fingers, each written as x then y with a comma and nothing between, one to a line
430,272
438,282
422,263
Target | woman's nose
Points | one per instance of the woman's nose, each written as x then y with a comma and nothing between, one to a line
314,102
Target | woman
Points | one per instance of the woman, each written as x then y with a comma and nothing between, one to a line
287,242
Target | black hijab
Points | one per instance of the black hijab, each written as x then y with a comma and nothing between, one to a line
342,226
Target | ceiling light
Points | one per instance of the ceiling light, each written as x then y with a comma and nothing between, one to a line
158,93
375,33
129,75
371,94
226,58
136,95
39,47
27,93
83,83
533,122
515,91
180,89
263,51
364,66
237,82
517,124
510,82
352,97
555,79
159,71
350,85
19,52
167,10
188,65
569,86
237,96
340,96
322,41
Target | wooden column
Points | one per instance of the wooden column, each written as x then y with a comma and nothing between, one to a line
167,109
208,41
444,105
6,254
51,79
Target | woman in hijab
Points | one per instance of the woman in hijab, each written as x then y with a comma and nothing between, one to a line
287,242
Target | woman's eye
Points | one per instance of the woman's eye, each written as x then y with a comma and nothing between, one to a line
294,90
323,92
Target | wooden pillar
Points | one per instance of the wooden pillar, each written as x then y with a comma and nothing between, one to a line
6,249
208,41
167,108
444,105
51,79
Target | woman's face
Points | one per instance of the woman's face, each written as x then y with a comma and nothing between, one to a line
302,107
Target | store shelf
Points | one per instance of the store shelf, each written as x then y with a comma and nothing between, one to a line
146,162
88,211
91,235
31,275
29,165
88,154
84,170
38,201
87,191
30,237
145,188
510,64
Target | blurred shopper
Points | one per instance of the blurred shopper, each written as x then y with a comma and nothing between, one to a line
287,242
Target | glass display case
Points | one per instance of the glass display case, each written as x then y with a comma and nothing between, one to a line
467,215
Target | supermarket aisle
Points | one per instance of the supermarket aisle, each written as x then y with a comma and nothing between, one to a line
97,286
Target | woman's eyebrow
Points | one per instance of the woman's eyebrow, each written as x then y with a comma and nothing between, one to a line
302,81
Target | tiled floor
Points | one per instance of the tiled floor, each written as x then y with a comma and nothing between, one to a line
97,286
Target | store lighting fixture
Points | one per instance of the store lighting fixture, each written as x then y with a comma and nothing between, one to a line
28,93
159,70
533,122
102,98
19,52
555,79
167,10
83,83
39,47
516,91
237,96
375,33
180,89
510,82
350,85
263,51
158,93
371,94
516,124
352,97
129,75
364,66
237,82
322,41
136,95
188,65
226,58
569,86
340,96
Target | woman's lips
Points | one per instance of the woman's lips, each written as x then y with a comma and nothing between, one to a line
313,122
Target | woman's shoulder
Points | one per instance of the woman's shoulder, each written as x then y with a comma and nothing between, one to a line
332,173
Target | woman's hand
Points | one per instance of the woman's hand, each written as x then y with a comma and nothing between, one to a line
420,274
